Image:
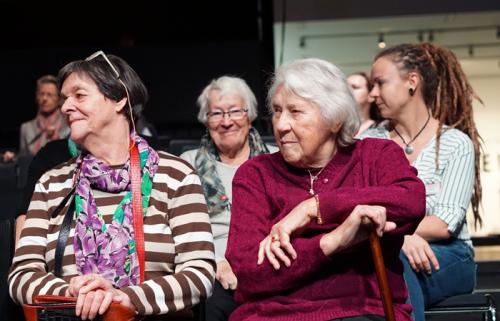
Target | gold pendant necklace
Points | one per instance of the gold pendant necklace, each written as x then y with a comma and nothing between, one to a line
313,178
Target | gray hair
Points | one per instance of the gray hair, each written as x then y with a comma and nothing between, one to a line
324,85
228,85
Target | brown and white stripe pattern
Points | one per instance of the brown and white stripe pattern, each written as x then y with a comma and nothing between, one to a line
180,262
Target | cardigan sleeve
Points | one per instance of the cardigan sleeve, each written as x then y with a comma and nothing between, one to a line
194,272
251,221
29,275
391,182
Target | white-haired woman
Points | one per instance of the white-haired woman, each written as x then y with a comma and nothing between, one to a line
227,108
297,242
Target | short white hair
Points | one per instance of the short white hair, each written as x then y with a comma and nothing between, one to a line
323,84
228,85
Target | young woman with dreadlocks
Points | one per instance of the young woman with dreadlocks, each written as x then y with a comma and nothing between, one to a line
425,94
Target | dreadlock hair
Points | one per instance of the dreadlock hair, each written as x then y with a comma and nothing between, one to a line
374,112
448,94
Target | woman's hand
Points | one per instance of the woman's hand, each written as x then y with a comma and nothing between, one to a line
86,283
277,244
419,254
94,295
226,276
91,303
356,228
123,299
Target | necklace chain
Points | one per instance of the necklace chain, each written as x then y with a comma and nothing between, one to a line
313,178
409,149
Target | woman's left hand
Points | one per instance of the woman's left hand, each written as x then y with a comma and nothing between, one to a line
277,244
91,303
87,283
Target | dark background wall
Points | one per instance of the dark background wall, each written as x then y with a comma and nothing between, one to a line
176,47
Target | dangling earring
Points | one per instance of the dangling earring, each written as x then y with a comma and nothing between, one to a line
412,91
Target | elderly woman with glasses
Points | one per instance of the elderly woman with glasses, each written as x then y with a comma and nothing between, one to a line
227,107
301,217
121,222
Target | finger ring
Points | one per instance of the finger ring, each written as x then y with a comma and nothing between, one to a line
274,239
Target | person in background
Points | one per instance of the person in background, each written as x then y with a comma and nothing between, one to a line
227,108
103,96
301,217
361,86
422,90
49,123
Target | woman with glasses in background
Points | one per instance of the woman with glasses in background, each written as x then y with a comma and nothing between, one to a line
227,108
104,260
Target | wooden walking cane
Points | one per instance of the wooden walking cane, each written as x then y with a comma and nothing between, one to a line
385,291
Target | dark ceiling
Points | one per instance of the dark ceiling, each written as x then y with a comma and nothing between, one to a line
126,24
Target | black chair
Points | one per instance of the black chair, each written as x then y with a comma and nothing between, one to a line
8,309
475,306
9,190
178,146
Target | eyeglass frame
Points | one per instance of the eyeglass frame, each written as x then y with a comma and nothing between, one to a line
228,113
101,53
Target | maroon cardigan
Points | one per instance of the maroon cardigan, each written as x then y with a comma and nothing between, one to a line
317,287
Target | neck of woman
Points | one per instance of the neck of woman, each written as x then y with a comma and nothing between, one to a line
235,156
408,124
322,156
364,113
111,146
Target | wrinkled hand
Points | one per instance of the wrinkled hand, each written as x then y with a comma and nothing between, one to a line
89,304
419,254
277,244
94,295
356,228
86,283
226,276
123,299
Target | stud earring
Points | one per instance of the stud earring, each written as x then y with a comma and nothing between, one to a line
412,91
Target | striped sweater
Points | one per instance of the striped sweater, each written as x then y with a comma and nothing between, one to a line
180,261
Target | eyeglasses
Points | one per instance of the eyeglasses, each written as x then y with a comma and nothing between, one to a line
117,74
101,53
234,114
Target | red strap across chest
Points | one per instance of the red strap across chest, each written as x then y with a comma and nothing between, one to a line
135,173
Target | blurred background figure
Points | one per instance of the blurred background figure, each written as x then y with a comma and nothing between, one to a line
227,108
49,123
361,85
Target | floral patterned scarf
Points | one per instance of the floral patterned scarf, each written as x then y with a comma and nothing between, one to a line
205,164
109,249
